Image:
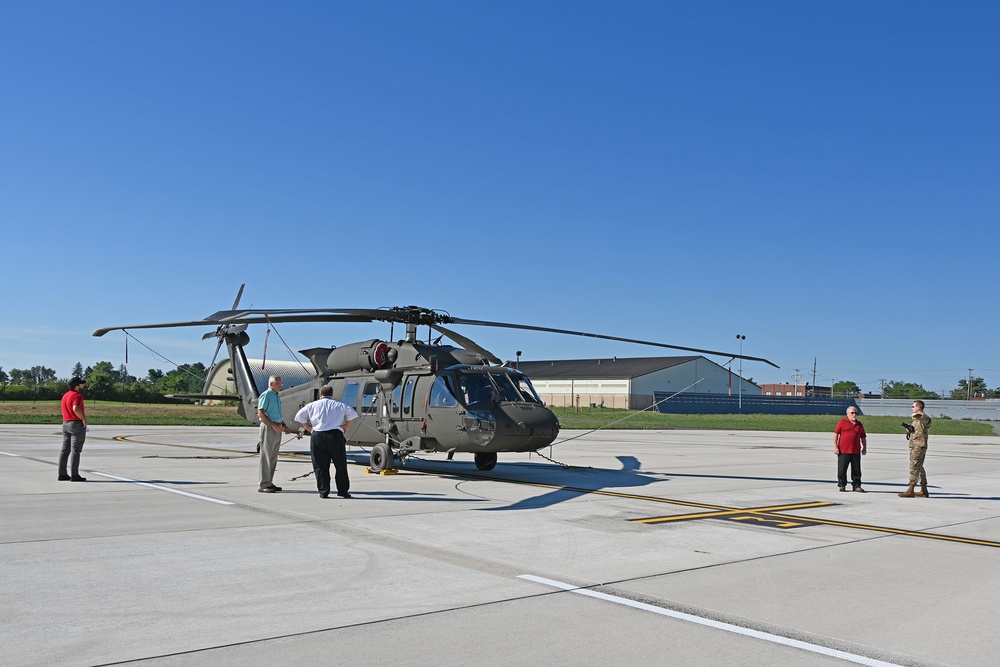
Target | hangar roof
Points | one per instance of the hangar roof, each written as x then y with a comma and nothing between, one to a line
616,368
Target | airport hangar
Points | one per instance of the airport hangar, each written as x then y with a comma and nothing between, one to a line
629,383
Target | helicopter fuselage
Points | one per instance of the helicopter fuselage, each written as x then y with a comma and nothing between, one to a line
417,397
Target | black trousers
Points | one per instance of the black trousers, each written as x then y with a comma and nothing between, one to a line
854,460
327,446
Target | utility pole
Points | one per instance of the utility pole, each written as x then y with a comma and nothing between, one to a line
741,339
969,386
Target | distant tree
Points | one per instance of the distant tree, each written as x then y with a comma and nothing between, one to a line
154,375
42,375
103,367
845,388
100,385
185,379
896,389
77,370
4,378
979,389
124,378
32,377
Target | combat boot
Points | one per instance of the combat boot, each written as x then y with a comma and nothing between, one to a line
923,491
908,493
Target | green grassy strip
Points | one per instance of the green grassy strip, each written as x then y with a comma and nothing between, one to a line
590,418
137,414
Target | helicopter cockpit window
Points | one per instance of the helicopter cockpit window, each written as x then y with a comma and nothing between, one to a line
527,389
508,391
475,387
368,398
441,395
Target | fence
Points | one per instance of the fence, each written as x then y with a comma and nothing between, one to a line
988,410
719,404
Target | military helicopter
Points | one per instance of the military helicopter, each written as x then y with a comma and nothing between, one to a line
411,396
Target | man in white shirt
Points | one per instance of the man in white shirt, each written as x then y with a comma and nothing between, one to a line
327,420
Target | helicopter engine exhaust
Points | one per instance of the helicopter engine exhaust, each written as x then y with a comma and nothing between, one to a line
370,355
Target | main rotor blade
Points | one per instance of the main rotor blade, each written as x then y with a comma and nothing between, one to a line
527,327
213,321
239,295
467,343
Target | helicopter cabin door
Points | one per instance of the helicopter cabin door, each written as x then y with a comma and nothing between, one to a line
409,404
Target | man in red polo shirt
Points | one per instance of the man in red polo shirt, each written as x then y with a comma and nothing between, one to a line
850,443
74,430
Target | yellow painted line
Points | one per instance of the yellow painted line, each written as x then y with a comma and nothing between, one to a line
895,531
732,511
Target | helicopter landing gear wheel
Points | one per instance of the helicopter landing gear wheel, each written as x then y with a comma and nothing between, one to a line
486,461
381,458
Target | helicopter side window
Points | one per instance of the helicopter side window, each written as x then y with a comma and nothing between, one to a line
397,395
368,397
351,393
441,396
408,397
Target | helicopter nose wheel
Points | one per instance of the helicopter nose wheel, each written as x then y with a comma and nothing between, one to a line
486,460
381,458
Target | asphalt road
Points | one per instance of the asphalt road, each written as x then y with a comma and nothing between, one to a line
672,547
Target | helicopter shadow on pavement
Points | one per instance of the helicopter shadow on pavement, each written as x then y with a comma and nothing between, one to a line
572,482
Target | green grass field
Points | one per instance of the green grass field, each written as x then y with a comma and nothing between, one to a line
595,418
102,412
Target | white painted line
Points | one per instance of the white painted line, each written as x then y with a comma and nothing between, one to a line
718,625
162,488
8,454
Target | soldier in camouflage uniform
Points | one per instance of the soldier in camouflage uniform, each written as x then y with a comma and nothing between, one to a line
917,435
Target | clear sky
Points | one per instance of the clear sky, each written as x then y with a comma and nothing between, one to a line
821,177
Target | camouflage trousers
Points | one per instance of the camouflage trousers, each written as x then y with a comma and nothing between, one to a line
917,473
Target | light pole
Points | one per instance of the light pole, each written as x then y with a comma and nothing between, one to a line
741,339
517,364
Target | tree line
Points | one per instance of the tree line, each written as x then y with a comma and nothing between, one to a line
966,389
104,382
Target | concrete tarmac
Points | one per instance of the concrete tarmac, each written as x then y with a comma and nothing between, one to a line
651,547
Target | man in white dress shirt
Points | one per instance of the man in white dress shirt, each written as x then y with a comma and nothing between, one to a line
327,420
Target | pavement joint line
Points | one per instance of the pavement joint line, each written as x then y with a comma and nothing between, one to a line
162,488
718,625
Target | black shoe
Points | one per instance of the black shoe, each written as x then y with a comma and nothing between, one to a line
267,489
842,488
63,478
78,479
324,494
345,495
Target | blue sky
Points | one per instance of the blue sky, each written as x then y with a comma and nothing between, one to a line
821,177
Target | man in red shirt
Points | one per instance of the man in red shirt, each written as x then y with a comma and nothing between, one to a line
74,430
850,443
